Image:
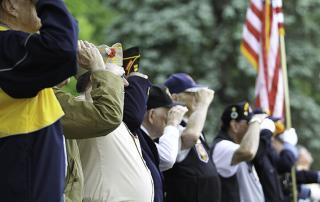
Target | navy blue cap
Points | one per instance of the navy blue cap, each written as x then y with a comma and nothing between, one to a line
182,82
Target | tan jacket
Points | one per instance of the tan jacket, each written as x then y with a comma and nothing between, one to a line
87,120
84,119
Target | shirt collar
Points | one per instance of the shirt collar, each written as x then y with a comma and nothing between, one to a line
144,130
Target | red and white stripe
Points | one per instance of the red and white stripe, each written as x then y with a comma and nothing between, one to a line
261,46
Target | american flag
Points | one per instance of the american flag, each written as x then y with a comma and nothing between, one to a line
261,46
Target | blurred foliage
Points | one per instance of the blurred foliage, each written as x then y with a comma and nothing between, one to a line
93,18
202,38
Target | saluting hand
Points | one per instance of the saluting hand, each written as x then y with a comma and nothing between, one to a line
89,56
204,96
175,115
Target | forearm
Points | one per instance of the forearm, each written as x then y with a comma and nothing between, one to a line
59,29
85,119
194,127
168,147
249,144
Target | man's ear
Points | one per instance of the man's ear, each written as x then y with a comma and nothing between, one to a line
10,7
151,114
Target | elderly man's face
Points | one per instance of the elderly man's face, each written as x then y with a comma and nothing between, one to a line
239,128
24,14
159,120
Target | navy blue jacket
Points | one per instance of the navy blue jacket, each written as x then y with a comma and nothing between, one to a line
135,106
151,156
266,163
32,62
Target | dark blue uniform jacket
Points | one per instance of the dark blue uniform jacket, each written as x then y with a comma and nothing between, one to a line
135,106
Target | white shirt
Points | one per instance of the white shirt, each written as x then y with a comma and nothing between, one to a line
114,169
222,157
168,146
182,154
250,188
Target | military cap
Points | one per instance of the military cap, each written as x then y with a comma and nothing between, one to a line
238,111
131,57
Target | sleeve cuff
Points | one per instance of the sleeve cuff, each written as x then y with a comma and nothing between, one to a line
172,131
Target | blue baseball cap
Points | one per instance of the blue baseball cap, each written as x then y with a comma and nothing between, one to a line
182,82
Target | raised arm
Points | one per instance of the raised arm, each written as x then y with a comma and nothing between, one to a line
197,119
169,145
84,119
250,142
31,62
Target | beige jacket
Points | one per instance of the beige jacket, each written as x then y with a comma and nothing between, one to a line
87,120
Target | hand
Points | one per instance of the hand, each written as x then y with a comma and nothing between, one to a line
204,96
258,118
89,56
268,124
175,115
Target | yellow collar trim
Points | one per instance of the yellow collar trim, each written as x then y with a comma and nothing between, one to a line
3,28
135,57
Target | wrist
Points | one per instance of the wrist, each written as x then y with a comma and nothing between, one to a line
172,123
255,120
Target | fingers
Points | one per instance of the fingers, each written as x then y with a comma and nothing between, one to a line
178,110
204,96
175,115
89,45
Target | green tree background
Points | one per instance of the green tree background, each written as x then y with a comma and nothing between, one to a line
202,38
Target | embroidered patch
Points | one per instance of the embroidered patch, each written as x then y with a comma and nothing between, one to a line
201,152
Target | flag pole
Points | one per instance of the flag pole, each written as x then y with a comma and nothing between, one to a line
287,106
285,80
